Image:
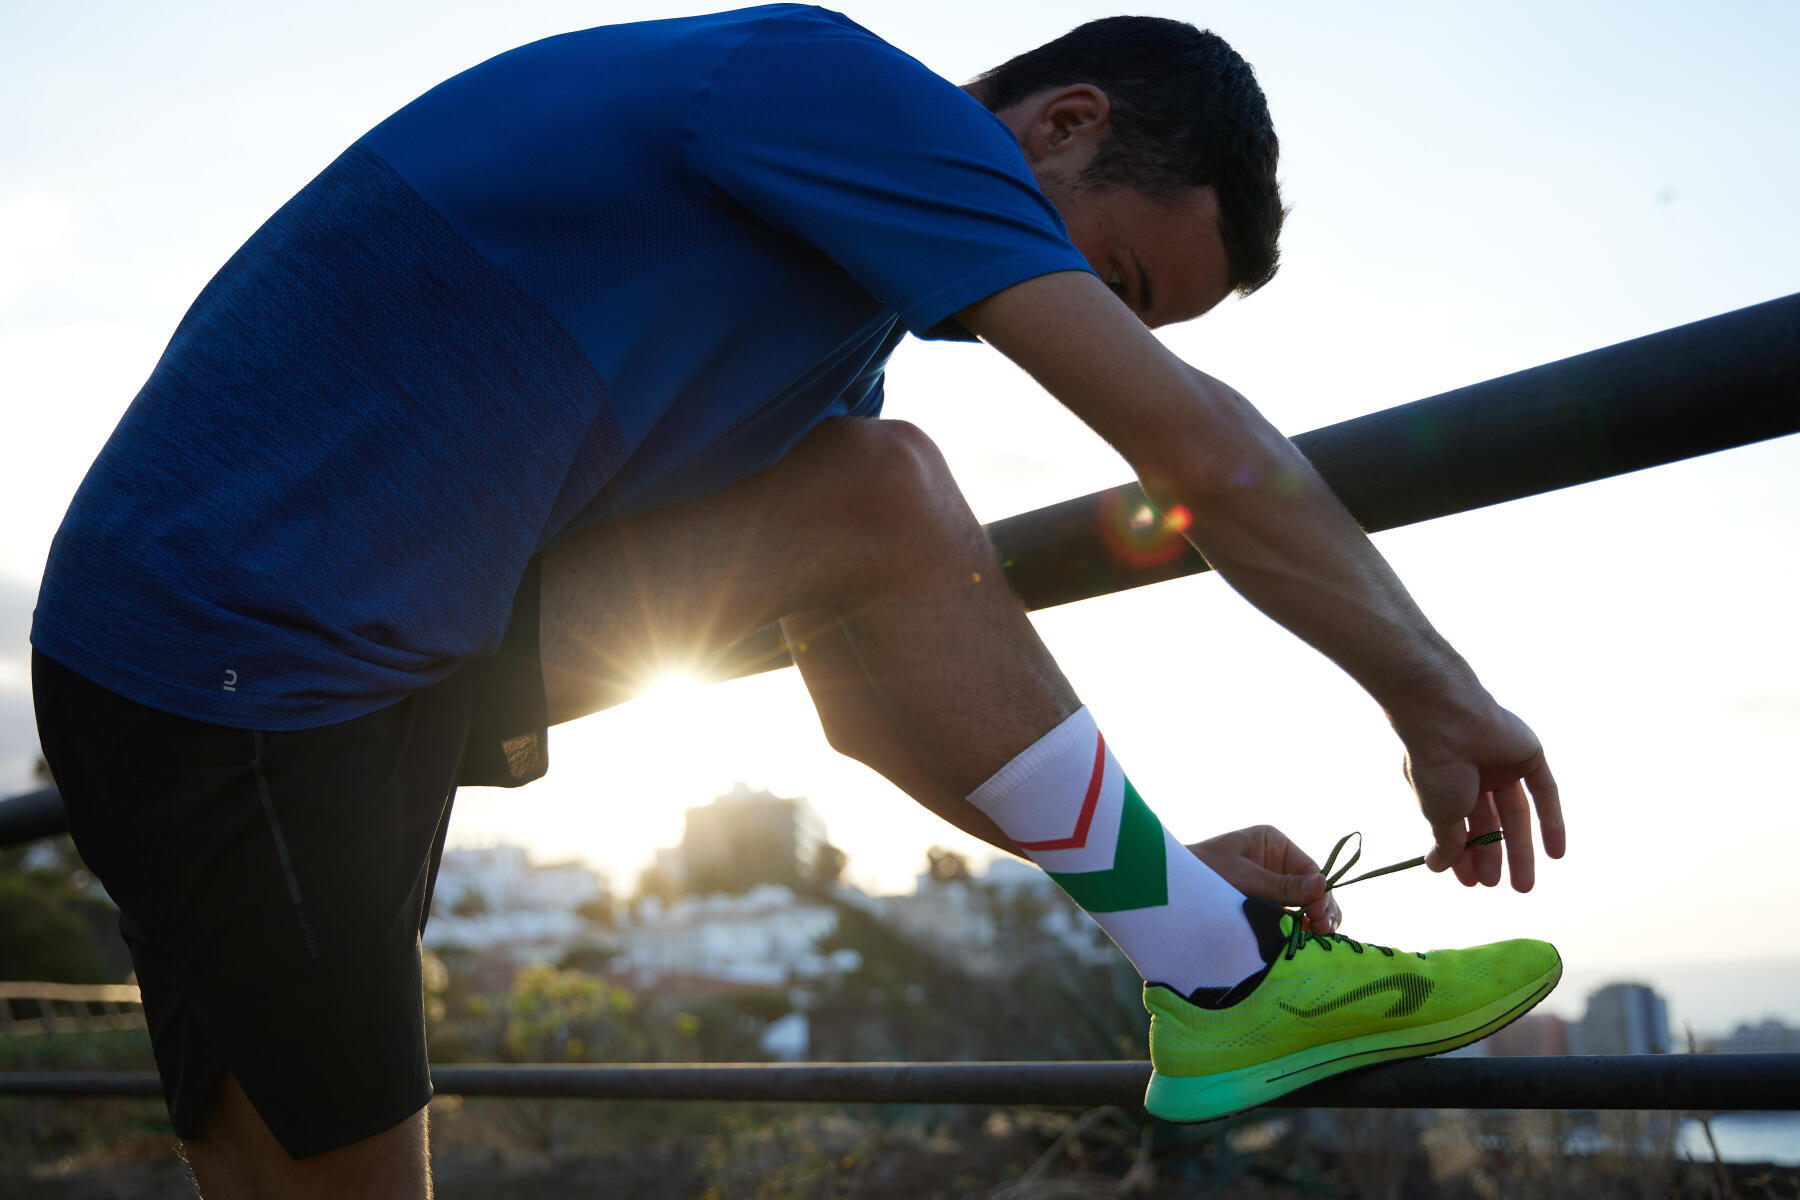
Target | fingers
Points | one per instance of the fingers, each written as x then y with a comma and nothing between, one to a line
1464,867
1549,807
1289,891
1324,915
1262,861
1279,852
1293,879
1307,880
1447,845
1503,799
1515,818
1440,790
1485,862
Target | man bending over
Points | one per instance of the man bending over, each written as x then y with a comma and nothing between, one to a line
578,357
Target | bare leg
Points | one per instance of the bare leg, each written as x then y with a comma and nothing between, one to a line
861,524
857,725
918,656
233,1154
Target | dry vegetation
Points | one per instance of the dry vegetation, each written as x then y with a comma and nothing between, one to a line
514,1150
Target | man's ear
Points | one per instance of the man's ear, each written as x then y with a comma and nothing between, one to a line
1064,126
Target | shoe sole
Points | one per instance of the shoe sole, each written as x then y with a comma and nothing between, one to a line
1194,1098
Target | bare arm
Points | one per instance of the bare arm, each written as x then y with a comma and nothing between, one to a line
1263,518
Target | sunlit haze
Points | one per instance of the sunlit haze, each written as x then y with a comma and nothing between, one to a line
1475,190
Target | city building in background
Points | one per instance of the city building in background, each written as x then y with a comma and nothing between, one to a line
495,900
1622,1018
723,921
1535,1035
1768,1036
976,921
768,938
743,839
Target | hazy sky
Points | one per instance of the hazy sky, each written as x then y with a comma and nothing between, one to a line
1475,189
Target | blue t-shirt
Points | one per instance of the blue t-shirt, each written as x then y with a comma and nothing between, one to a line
599,274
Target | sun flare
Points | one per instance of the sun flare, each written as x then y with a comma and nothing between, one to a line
673,686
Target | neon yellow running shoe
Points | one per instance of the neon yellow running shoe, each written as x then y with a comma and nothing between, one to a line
1326,1004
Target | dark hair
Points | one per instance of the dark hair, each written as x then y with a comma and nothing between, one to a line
1186,112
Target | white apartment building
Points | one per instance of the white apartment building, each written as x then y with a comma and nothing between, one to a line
961,921
766,937
495,898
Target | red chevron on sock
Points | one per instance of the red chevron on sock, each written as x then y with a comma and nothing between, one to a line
1078,839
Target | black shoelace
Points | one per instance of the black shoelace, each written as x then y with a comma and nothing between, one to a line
1299,935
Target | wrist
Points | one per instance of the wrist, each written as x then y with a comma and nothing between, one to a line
1440,703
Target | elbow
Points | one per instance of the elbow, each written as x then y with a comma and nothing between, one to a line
1210,481
1224,451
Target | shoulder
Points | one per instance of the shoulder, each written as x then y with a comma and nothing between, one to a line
823,88
774,24
792,49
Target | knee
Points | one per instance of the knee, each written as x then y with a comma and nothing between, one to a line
892,481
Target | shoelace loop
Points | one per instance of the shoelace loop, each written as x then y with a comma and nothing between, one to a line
1298,935
1333,881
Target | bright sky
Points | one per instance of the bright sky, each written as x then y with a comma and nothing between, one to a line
1476,189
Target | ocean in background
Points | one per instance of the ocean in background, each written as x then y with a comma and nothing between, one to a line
1744,1137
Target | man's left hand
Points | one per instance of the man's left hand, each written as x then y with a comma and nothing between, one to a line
1263,861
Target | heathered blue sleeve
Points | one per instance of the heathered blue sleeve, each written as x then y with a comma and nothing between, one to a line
826,132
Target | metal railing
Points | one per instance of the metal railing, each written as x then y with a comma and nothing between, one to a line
1726,381
1688,1082
68,1007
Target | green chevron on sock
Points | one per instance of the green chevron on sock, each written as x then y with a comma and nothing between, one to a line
1066,804
1139,875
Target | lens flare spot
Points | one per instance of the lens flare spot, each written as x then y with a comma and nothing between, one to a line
1136,535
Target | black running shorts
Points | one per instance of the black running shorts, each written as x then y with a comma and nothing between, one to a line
272,885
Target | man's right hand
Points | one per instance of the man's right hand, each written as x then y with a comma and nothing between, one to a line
1471,772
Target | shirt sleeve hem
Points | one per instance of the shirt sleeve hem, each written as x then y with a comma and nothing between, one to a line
929,317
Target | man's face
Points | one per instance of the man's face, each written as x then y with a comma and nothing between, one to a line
1164,258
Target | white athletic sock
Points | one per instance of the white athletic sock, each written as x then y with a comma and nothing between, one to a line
1067,804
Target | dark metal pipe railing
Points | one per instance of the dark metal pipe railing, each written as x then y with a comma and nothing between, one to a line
32,816
1695,1082
1726,381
